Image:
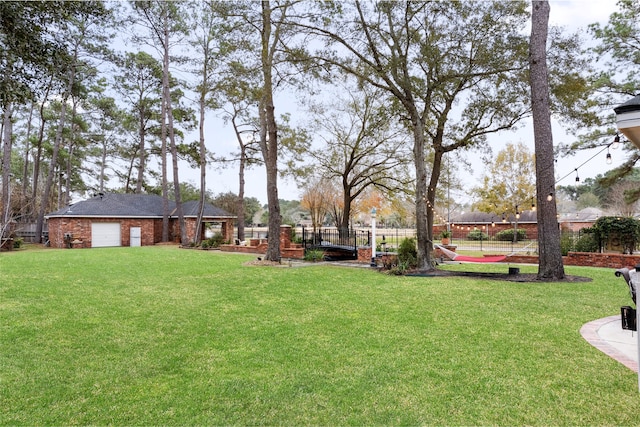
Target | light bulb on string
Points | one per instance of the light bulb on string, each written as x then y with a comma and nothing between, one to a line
609,159
577,177
616,142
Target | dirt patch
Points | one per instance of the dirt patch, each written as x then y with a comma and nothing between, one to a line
264,263
519,277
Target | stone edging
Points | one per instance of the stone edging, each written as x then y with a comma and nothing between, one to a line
589,332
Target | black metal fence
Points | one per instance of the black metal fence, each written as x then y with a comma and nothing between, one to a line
331,236
388,239
522,246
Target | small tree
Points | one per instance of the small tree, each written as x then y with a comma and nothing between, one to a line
316,199
509,179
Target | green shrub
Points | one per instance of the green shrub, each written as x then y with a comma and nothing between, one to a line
294,236
587,243
17,242
408,253
566,243
313,255
397,270
215,241
477,235
205,244
607,229
507,235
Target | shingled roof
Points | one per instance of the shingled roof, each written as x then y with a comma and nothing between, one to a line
133,206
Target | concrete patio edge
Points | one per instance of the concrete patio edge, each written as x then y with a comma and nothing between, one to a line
589,332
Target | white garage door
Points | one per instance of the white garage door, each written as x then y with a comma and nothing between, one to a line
105,234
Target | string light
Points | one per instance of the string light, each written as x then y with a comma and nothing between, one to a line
616,142
614,145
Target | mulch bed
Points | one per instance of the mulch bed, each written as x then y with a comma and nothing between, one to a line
259,262
519,277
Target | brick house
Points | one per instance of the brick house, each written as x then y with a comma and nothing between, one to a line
491,224
582,219
128,220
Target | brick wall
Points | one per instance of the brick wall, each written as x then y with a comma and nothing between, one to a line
585,259
227,230
364,254
285,236
259,246
80,229
151,230
609,260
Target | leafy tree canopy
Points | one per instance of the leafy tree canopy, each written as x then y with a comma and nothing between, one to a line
509,183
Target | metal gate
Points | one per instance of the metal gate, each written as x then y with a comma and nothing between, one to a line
335,243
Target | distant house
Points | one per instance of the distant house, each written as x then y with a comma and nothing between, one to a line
490,224
461,225
128,220
582,219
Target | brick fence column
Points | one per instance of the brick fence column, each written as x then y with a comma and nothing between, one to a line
227,231
285,236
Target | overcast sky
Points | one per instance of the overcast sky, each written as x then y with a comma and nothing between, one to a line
571,14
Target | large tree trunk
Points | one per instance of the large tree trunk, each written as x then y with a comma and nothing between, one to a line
38,155
550,265
203,160
343,230
269,137
44,204
69,164
165,184
270,149
424,216
6,168
172,136
141,148
25,163
241,181
436,168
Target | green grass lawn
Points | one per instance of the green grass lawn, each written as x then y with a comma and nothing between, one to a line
164,336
